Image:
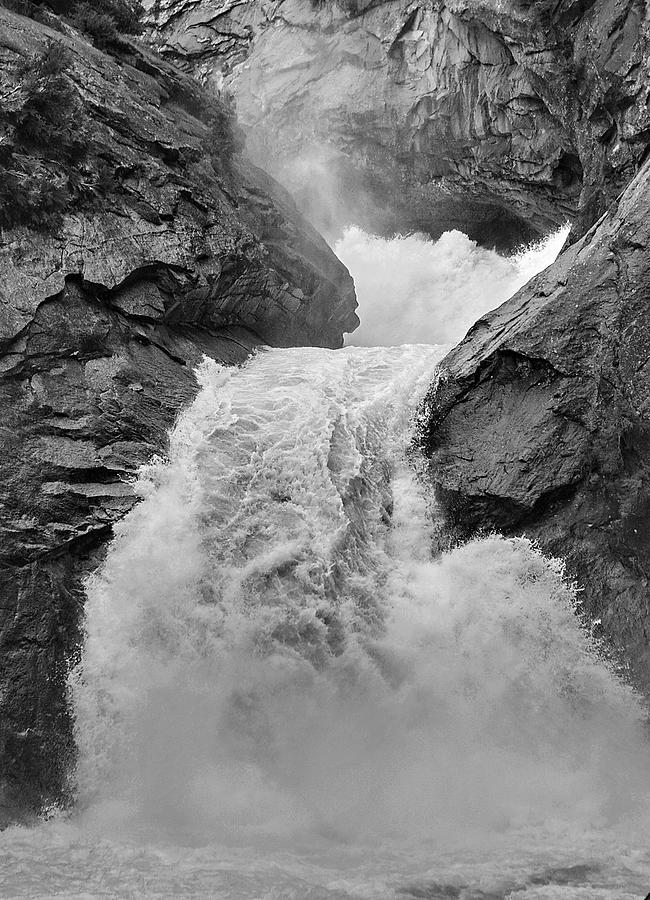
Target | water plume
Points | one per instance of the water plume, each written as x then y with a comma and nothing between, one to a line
284,693
413,289
273,655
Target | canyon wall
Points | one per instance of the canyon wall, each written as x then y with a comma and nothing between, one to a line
502,119
168,248
540,423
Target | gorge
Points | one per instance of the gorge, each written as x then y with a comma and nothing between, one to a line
272,623
501,119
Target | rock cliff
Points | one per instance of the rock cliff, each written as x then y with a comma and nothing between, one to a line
165,251
540,422
499,118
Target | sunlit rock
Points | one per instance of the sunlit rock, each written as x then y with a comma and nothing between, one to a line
499,119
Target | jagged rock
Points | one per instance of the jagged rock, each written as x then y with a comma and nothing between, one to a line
540,421
501,119
101,324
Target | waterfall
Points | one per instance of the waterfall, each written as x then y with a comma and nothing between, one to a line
274,652
288,692
411,288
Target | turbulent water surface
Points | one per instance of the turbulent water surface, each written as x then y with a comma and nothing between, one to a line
411,288
286,694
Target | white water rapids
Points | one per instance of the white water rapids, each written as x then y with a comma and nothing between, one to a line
414,289
285,694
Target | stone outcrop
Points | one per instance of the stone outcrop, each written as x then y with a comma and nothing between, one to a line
101,323
540,422
502,119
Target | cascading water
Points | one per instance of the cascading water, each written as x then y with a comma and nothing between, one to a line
284,693
413,289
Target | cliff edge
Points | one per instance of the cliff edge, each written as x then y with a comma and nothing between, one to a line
135,239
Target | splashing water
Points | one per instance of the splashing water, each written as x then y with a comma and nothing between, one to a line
412,289
270,649
284,694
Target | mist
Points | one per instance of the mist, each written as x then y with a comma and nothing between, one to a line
268,660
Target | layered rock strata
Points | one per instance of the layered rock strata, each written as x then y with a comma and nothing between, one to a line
102,321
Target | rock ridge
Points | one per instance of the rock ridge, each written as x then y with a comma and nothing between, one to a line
102,321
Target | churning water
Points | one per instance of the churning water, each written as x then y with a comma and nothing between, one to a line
283,694
411,288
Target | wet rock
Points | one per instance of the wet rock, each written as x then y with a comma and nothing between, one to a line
540,422
102,322
500,119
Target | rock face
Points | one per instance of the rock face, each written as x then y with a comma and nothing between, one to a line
101,323
499,117
540,421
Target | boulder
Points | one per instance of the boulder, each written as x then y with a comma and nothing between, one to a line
502,119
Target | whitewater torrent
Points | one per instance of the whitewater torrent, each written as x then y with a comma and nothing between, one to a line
286,693
411,288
